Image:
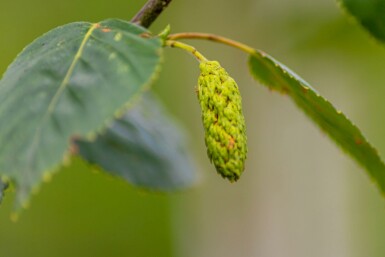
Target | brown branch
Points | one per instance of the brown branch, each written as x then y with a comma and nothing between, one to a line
149,12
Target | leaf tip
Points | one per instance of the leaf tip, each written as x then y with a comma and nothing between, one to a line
163,35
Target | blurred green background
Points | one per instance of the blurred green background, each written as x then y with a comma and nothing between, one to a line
300,195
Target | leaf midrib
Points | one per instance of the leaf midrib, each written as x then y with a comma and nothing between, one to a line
38,132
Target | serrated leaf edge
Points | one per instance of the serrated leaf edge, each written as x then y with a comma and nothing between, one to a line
306,87
91,136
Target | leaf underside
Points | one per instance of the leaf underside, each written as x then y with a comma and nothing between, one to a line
145,147
333,122
70,82
370,14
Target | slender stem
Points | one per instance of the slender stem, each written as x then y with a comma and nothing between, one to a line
212,37
149,12
186,47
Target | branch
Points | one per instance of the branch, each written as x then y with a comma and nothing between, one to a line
149,12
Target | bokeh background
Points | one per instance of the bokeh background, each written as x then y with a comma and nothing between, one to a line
300,195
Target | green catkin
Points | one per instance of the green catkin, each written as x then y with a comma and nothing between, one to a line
223,121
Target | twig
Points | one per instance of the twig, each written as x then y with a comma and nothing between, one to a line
149,12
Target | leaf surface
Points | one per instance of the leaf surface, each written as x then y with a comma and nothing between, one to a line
145,147
370,14
71,81
333,122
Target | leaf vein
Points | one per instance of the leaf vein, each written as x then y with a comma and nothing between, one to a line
52,104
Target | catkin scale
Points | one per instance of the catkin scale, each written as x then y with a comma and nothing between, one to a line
223,120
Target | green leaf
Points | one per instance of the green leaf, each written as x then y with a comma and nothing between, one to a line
370,14
71,81
145,147
333,122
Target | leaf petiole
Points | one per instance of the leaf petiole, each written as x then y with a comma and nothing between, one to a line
212,37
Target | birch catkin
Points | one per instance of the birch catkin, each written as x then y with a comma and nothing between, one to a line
223,121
